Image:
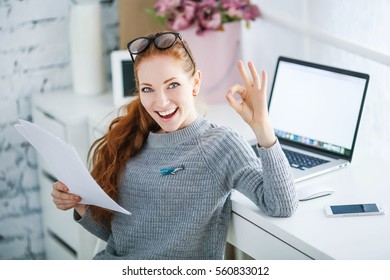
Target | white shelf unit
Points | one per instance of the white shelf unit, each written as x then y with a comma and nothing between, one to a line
66,115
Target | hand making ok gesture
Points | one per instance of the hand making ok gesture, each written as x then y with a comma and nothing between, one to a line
253,104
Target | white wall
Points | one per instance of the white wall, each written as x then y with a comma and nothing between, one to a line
34,58
351,34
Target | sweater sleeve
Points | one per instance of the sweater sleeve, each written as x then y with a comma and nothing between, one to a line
91,225
266,180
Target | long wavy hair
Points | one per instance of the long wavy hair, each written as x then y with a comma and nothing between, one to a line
127,133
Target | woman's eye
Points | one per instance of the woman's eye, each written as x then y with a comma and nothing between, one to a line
173,85
146,89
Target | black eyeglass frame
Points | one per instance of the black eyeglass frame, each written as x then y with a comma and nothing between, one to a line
153,39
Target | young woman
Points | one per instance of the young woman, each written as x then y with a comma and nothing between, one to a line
174,170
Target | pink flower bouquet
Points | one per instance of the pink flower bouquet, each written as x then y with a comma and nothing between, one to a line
203,14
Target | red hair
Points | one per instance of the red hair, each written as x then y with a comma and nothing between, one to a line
127,134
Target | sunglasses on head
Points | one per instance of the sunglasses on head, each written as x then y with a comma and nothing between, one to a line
161,41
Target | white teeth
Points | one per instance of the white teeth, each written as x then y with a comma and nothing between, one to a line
166,113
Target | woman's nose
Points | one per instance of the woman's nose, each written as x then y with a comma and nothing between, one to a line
162,98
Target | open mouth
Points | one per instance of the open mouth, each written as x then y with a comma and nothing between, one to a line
167,114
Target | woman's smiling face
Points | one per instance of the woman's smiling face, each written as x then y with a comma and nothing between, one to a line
167,92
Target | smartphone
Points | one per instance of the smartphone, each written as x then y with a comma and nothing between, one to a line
365,209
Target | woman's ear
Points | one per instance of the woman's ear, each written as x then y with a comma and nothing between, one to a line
197,82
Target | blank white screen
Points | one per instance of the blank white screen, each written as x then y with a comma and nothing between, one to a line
317,104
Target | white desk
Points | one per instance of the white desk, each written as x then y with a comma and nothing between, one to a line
317,236
308,234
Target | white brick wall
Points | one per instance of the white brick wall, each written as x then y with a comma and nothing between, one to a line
34,58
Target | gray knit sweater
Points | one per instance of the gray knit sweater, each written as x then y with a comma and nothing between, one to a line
186,215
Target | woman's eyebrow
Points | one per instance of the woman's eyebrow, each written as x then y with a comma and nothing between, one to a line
146,84
167,81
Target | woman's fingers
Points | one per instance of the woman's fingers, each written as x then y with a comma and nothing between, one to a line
238,89
60,186
62,199
264,81
64,205
234,101
252,104
61,195
255,76
244,75
254,80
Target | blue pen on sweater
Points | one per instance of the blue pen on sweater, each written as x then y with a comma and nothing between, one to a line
171,170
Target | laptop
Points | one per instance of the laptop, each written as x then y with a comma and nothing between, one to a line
315,111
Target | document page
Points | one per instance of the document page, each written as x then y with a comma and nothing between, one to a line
67,166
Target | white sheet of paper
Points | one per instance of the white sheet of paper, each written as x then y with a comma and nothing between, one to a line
67,166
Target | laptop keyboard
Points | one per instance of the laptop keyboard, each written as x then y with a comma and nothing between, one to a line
301,161
298,160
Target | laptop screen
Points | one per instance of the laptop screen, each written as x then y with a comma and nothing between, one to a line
317,106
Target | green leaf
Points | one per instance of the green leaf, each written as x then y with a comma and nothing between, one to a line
152,12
